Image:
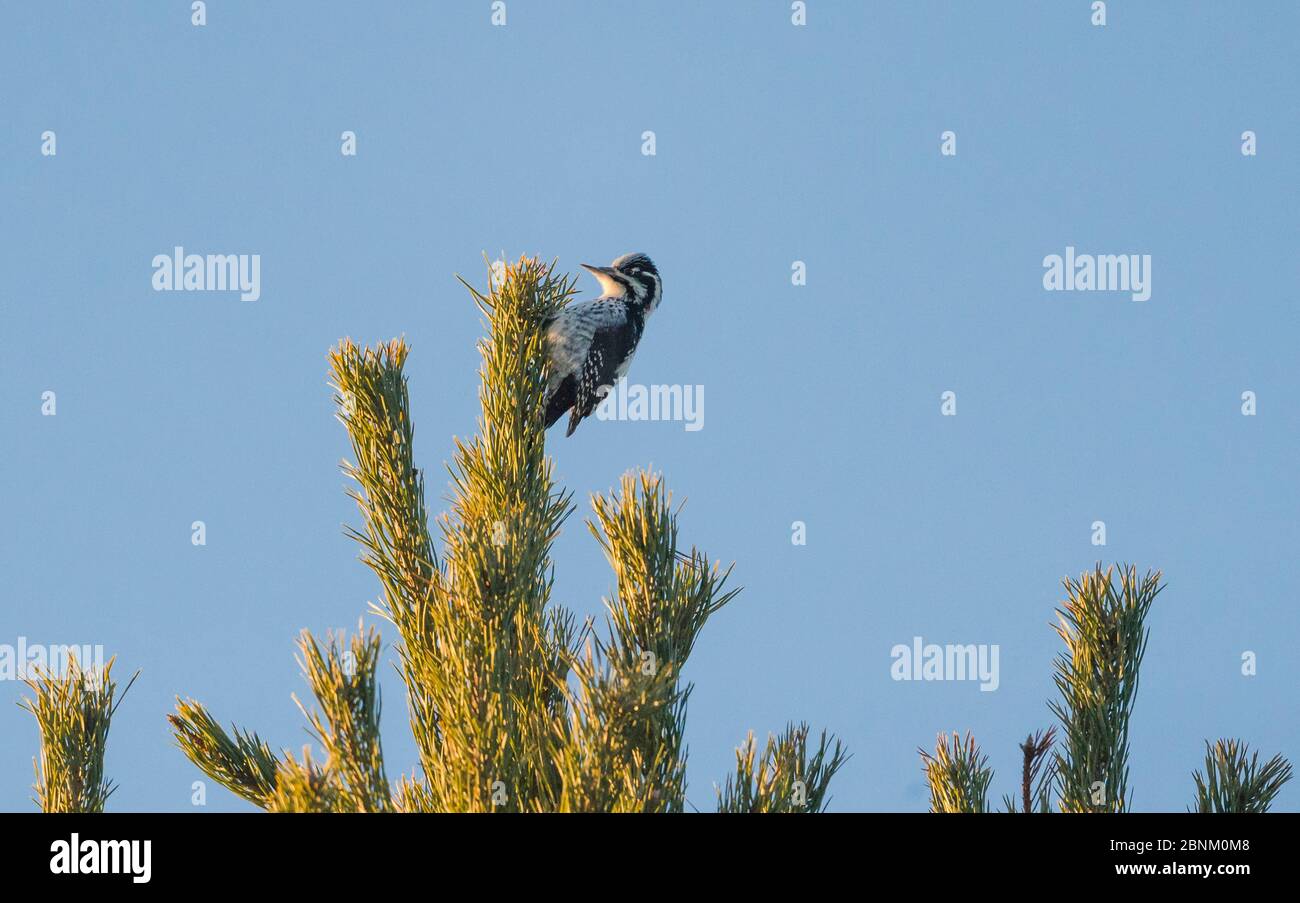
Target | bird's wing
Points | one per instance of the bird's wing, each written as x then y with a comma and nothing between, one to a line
610,347
569,334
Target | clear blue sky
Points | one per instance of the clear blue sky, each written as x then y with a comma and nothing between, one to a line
774,143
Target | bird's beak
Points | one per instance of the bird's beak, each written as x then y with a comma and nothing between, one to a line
611,287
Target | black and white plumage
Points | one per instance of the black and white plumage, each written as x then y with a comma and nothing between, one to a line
591,343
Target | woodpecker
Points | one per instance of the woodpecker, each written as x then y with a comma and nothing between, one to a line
591,343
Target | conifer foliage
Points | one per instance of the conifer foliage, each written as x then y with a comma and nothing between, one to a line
73,706
512,706
516,708
1103,625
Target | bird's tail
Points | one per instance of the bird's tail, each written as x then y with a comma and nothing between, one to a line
560,401
553,414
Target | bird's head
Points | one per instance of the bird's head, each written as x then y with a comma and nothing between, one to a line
632,276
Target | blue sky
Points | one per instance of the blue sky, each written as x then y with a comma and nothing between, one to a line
774,143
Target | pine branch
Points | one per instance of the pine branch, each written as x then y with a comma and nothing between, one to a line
1103,626
619,750
482,657
958,775
346,686
510,711
371,395
663,598
306,787
410,795
784,778
1234,783
622,747
1038,771
74,712
243,764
